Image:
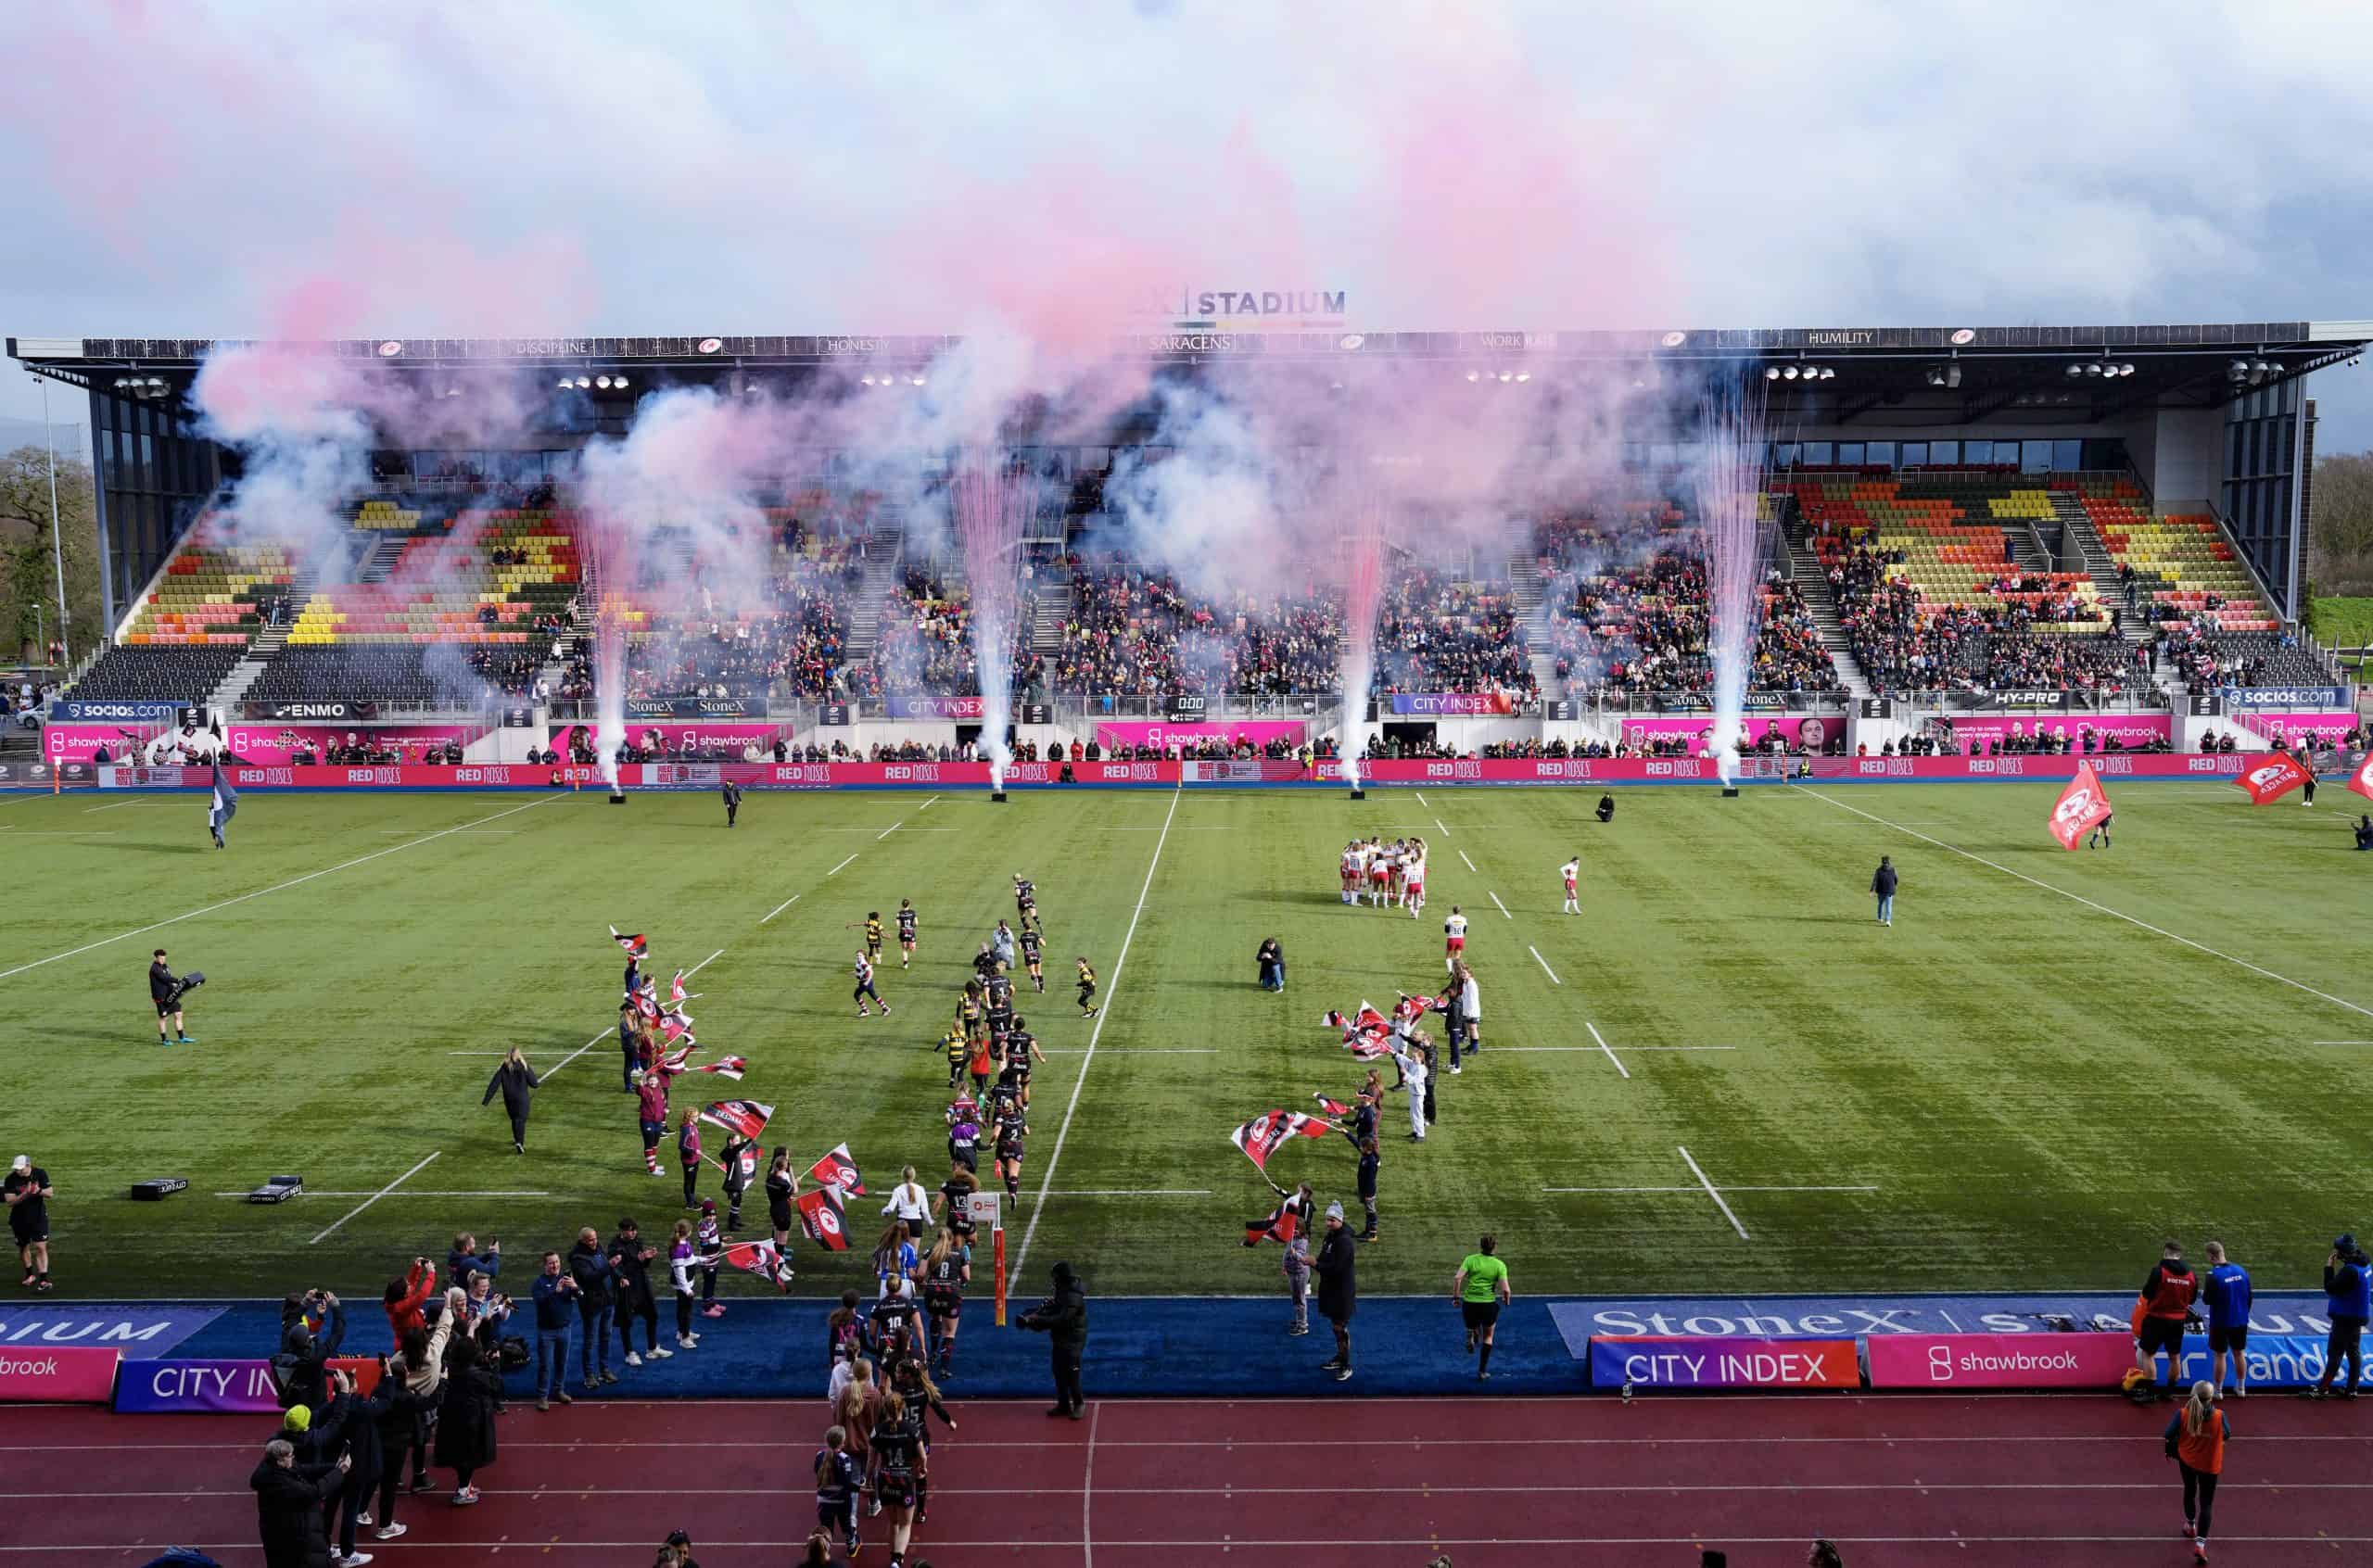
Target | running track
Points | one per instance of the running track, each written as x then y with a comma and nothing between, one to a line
1903,1481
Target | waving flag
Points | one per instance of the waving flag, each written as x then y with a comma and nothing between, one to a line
677,1025
823,1219
762,1258
1266,1134
838,1169
1331,1107
1282,1225
747,1118
635,945
2362,780
676,987
673,1062
2273,779
726,1066
2082,804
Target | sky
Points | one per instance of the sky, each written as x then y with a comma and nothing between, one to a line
562,167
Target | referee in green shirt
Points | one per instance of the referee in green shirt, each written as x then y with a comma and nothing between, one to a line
1481,1288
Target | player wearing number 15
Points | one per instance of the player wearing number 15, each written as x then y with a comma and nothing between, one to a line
1481,1289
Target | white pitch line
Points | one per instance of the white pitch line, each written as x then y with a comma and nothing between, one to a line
885,833
1470,864
1087,1490
1141,1051
374,1198
277,887
2344,1041
1573,1050
1715,1196
1504,908
1038,1210
1423,802
1133,1192
841,868
63,833
1861,1189
1545,965
117,806
780,908
926,805
1606,1048
2102,909
1438,822
409,1192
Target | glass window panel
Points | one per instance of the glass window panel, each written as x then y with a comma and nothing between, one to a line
1784,455
1915,454
1881,452
1818,454
2034,457
2067,456
1977,454
1944,454
1849,454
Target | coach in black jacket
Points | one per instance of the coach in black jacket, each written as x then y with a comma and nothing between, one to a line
516,1082
1063,1318
289,1508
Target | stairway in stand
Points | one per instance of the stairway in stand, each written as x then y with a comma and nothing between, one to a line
884,552
1803,568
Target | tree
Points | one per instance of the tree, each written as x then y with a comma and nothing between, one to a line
28,570
2340,529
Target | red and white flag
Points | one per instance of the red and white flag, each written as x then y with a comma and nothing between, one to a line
2362,780
726,1066
2082,804
1282,1225
747,1118
762,1258
1266,1134
838,1169
676,986
647,1004
677,1027
635,945
2272,779
1331,1107
823,1219
673,1062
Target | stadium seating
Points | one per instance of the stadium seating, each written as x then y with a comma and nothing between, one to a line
2182,563
1134,632
491,578
211,596
683,641
125,673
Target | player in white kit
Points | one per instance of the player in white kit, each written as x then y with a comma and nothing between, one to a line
1572,871
1454,940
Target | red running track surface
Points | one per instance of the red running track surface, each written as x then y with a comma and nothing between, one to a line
1900,1482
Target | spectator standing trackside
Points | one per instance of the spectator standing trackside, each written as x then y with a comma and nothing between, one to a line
1063,1318
1339,1293
466,1425
596,1305
731,794
2228,1294
2348,1302
2164,1304
2196,1441
288,1507
630,1259
553,1314
1882,883
1480,1288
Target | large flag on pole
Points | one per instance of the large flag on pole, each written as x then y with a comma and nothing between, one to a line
726,1066
2082,806
747,1118
1266,1134
823,1219
838,1169
2362,780
1282,1225
2272,779
635,945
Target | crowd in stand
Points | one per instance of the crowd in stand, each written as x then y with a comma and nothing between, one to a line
925,641
1434,633
1628,630
1904,643
1137,633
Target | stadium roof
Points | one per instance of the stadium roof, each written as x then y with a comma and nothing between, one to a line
2076,375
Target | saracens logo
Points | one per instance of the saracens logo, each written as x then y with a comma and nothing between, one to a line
2264,778
2074,808
828,1219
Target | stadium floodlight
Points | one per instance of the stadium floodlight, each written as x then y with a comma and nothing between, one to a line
2126,368
156,387
2094,368
2075,369
602,382
915,381
1506,376
1788,372
618,382
1524,376
1474,375
567,385
1829,372
866,379
584,382
1935,376
2238,371
1771,372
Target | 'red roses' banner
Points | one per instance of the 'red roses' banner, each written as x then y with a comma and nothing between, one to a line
2082,804
2272,779
2362,780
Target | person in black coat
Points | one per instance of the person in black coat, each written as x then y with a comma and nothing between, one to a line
465,1424
1339,1290
630,1259
401,1417
1271,960
289,1508
303,1353
1606,808
1883,882
731,794
356,1420
1062,1317
516,1082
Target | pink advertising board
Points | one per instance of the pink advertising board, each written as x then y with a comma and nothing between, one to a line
2131,729
725,734
1998,1360
1797,731
2330,727
1158,733
57,1374
271,744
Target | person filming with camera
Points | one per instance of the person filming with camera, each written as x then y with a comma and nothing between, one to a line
166,990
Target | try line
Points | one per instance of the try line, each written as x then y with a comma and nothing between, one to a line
1038,1209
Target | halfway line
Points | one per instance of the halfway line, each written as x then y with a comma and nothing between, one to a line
277,887
1038,1209
375,1196
1602,1045
1716,1197
2103,908
1544,966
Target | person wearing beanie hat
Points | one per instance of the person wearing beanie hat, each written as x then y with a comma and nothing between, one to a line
297,1419
1336,1267
1063,1318
2348,1302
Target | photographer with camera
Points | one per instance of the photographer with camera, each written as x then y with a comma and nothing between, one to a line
305,1351
2348,1302
166,990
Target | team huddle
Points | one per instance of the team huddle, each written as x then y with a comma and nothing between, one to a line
1388,876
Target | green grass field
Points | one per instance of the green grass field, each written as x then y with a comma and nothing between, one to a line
2012,1087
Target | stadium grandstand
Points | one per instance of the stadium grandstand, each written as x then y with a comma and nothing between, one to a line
2078,518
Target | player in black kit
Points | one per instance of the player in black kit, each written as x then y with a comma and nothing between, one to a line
1020,1049
906,932
1025,901
1031,944
1011,1132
